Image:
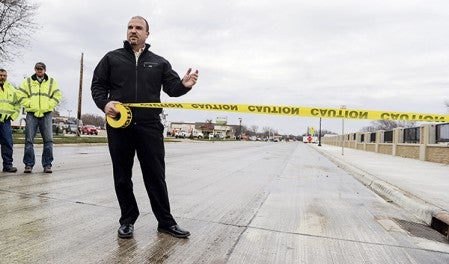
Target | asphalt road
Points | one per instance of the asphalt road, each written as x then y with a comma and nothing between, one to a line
244,202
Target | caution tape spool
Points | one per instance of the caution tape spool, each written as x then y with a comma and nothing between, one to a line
124,117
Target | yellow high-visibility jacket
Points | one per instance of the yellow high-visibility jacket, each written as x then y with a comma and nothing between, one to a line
9,103
39,98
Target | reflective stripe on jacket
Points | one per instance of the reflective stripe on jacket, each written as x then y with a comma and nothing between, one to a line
9,103
39,97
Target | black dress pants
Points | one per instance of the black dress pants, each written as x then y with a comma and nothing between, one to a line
147,141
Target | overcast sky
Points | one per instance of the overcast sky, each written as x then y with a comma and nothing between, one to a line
390,55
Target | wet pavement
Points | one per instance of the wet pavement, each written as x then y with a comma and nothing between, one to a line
244,202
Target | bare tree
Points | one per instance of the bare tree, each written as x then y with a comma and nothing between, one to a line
208,125
16,25
254,129
269,132
323,132
387,125
92,119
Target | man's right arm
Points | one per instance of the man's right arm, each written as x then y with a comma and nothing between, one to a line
23,95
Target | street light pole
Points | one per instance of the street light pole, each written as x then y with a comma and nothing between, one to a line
343,133
164,122
319,135
240,128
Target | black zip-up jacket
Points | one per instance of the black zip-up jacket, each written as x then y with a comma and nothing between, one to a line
117,77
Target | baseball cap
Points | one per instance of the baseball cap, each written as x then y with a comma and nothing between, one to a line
40,65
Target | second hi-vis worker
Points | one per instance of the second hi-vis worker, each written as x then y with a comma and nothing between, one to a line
9,110
39,94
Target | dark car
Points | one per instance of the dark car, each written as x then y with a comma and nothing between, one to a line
71,129
89,130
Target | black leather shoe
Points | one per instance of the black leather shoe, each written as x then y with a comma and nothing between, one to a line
9,169
126,231
175,231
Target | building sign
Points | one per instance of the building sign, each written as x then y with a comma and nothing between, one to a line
221,120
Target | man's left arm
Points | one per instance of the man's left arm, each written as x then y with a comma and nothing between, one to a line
173,85
15,103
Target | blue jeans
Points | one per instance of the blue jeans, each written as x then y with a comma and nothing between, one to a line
6,142
45,127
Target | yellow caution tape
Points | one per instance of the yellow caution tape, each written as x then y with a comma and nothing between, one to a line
125,115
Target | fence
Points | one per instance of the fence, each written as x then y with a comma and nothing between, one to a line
429,142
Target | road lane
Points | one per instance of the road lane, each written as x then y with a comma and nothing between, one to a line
244,202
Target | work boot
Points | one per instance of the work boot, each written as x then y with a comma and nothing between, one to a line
9,169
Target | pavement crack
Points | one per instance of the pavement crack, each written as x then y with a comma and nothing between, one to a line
346,240
231,250
49,197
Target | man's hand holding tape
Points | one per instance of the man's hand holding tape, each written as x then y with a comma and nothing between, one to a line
110,110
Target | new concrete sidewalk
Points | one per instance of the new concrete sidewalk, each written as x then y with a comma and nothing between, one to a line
419,186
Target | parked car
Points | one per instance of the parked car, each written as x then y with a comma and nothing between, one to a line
198,135
181,134
89,130
185,134
71,129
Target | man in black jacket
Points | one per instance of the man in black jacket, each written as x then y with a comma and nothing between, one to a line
133,74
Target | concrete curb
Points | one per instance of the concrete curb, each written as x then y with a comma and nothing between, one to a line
423,210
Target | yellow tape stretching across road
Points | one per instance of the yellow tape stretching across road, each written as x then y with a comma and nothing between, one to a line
125,116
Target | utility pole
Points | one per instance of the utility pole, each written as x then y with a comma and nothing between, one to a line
80,95
240,128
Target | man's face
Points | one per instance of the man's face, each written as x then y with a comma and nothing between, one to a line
39,72
137,32
3,76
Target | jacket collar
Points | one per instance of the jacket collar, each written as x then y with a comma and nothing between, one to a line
128,46
34,77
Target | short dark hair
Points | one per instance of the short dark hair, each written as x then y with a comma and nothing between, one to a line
2,70
146,22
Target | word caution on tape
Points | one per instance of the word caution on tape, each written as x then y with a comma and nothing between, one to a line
125,116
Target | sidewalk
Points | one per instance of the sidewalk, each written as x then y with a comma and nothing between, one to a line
419,186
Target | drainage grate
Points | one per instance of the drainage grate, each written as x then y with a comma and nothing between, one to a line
421,230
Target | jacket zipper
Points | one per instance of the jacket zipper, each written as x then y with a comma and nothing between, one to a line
136,84
39,95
